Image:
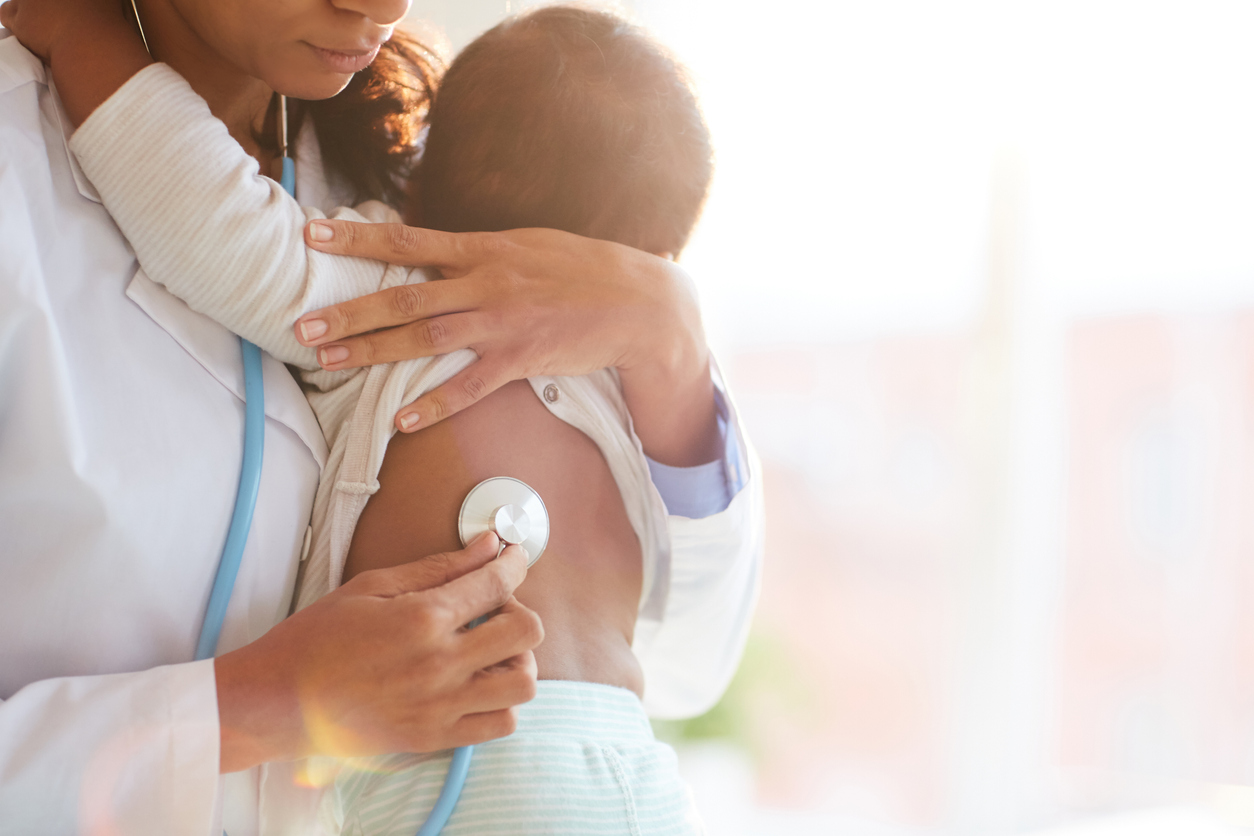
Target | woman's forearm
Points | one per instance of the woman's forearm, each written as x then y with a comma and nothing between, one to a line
674,414
257,717
667,382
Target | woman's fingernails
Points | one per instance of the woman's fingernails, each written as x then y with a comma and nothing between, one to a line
320,232
409,420
312,329
332,354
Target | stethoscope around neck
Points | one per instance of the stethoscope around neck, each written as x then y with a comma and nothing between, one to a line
254,448
509,507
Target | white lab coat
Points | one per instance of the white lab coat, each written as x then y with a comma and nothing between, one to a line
120,444
120,435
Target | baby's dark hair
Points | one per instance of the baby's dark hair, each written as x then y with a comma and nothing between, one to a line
571,119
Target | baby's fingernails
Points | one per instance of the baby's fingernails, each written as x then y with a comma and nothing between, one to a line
320,232
409,420
312,329
332,354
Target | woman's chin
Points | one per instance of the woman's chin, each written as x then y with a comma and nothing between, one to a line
302,76
312,86
315,73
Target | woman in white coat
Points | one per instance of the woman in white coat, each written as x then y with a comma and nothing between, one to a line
120,435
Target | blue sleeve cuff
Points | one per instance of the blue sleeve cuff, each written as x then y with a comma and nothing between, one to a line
705,489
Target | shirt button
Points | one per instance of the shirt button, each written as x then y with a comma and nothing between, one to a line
551,393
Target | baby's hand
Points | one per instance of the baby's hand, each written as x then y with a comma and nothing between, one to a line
91,46
49,27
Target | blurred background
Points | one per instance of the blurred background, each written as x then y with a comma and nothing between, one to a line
981,276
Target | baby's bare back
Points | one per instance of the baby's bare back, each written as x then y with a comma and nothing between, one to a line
585,587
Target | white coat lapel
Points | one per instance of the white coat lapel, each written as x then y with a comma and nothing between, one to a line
217,349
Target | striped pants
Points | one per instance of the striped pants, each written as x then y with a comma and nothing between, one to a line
583,761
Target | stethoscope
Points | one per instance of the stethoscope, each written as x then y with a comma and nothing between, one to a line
512,509
254,447
502,504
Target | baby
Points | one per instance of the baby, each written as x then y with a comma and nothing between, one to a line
562,118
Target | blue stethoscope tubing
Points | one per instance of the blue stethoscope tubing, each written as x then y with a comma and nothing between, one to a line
237,537
449,793
245,502
249,479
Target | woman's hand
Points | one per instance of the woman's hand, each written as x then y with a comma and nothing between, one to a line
529,302
384,664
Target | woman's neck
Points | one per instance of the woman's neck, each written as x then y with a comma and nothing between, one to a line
235,97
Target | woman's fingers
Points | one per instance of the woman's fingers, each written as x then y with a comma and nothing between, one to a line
502,640
425,338
504,684
386,309
492,693
431,571
479,728
483,590
471,384
394,243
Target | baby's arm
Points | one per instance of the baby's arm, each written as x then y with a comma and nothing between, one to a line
191,202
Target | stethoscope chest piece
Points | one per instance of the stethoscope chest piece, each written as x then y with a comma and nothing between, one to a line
509,507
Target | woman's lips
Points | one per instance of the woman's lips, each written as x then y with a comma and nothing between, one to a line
349,61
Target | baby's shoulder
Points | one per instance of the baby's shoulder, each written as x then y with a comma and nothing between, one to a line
374,211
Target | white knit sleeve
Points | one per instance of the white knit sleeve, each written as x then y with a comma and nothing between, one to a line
203,221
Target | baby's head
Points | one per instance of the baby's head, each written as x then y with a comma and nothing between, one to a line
570,119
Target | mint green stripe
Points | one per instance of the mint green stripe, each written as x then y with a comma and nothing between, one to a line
583,762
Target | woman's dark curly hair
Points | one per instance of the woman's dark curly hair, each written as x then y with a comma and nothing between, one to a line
369,134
